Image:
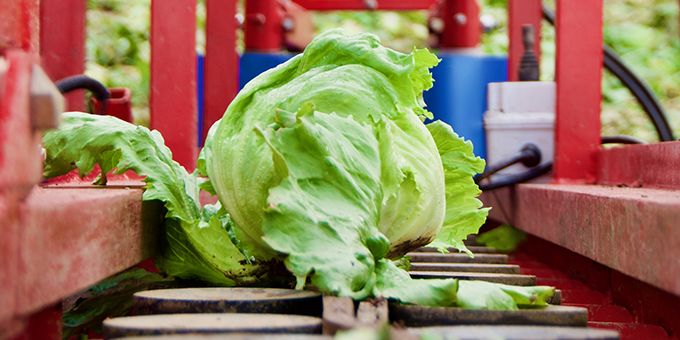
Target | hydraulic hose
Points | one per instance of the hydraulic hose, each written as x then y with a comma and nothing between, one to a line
509,180
529,156
78,82
640,90
621,139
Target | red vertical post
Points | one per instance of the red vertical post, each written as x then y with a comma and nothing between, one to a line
173,77
462,28
579,77
62,42
221,60
520,13
263,26
19,25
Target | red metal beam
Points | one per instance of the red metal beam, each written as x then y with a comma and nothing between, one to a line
173,77
361,5
66,236
462,28
263,26
579,76
221,60
520,13
652,165
62,42
631,230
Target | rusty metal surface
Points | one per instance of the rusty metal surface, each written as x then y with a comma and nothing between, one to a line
632,230
227,300
466,267
458,258
508,279
210,324
417,316
649,165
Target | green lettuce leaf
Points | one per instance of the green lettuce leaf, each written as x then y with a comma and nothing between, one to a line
197,245
464,212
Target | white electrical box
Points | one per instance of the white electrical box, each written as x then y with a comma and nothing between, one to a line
519,113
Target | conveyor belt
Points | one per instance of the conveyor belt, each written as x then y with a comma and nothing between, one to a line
574,307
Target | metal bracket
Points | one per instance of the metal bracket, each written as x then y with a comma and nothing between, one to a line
46,102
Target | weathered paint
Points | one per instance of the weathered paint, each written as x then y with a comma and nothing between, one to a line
520,13
173,77
578,72
19,25
649,165
632,230
72,238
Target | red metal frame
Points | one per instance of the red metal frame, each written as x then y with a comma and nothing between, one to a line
63,54
520,13
462,28
578,72
263,28
221,75
361,5
173,77
20,25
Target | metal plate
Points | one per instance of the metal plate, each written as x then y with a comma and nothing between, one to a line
508,279
417,316
518,332
465,267
227,300
210,324
458,258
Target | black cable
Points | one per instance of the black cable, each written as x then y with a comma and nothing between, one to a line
509,180
640,90
621,139
529,156
78,82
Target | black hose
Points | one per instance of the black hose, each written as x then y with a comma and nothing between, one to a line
509,180
621,139
638,88
78,82
529,156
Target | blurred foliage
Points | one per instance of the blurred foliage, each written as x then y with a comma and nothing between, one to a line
644,32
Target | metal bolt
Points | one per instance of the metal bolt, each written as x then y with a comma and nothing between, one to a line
46,102
437,24
288,24
460,18
371,4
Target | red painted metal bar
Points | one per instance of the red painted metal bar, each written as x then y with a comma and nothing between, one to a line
263,26
520,13
579,76
62,42
650,165
632,230
358,5
221,60
19,26
173,77
462,28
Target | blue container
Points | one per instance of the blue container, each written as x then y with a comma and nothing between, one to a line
252,64
199,95
459,93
